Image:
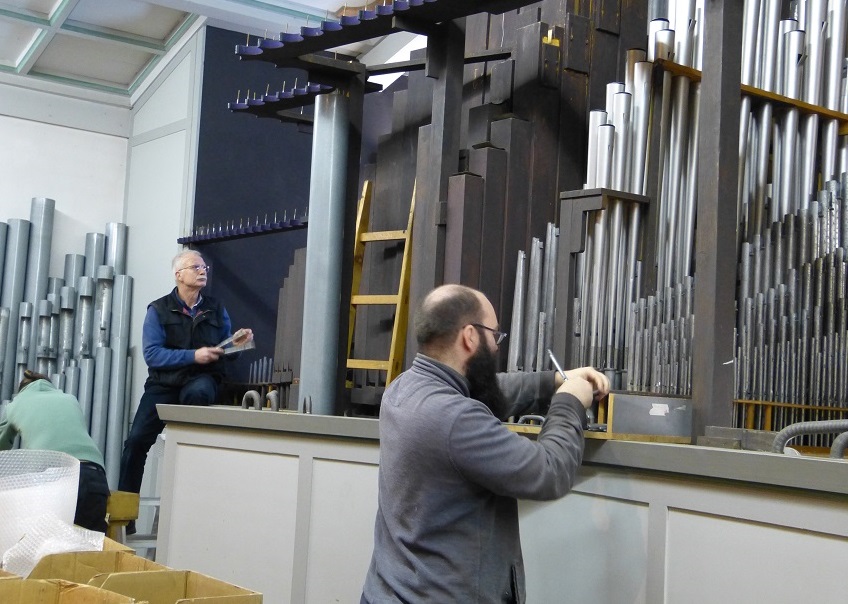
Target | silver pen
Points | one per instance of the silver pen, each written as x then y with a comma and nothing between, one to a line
556,365
590,415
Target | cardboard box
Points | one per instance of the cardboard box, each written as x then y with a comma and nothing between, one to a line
7,575
175,587
110,545
80,567
26,591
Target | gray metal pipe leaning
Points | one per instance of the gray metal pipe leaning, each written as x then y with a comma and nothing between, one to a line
531,305
42,337
85,390
803,428
100,397
517,323
116,247
4,234
5,315
84,318
95,244
14,277
24,340
54,285
119,343
74,268
103,306
72,378
115,411
324,254
38,257
67,304
551,250
53,342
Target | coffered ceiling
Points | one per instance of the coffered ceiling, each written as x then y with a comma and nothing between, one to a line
110,46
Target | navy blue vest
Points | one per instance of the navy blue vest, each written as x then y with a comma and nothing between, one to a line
188,333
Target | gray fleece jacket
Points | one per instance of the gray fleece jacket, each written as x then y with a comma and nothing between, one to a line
450,476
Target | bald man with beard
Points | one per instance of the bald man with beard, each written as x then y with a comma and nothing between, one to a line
451,473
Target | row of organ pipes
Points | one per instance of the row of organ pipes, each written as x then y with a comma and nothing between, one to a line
791,338
75,328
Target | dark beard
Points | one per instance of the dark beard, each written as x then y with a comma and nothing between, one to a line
484,387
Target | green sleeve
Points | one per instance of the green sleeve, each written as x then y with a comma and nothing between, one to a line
7,434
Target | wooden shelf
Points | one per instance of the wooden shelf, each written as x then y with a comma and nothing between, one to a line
763,95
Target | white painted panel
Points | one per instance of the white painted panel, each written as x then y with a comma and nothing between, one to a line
718,559
170,103
112,117
574,545
236,517
154,209
341,529
84,172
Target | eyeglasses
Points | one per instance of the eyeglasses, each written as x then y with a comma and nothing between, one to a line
206,268
500,336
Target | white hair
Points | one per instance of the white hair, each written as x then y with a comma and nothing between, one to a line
178,259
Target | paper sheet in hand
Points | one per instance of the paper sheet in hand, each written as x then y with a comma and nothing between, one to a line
229,346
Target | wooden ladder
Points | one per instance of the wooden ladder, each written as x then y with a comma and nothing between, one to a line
400,300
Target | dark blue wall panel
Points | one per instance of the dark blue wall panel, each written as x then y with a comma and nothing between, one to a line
247,168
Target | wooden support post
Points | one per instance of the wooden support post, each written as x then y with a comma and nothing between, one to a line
491,163
513,135
438,156
715,277
464,229
536,98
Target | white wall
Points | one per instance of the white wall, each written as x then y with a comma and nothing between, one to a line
70,150
102,161
160,184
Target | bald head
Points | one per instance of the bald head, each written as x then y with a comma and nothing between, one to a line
445,311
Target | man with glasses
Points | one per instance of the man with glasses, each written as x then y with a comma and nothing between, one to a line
451,472
180,336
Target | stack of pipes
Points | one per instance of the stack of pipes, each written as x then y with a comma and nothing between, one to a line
77,334
608,273
800,58
792,343
661,330
791,313
531,328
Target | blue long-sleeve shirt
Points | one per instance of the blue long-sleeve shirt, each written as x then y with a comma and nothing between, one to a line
156,354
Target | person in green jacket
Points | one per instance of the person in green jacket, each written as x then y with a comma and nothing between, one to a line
48,419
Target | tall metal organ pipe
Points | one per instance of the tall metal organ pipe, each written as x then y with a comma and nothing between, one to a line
14,276
38,257
95,244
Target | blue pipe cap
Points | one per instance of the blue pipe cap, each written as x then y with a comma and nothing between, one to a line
270,44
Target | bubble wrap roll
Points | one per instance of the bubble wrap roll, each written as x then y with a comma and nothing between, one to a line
34,483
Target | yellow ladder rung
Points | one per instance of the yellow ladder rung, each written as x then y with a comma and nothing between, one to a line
384,236
367,364
400,300
374,299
